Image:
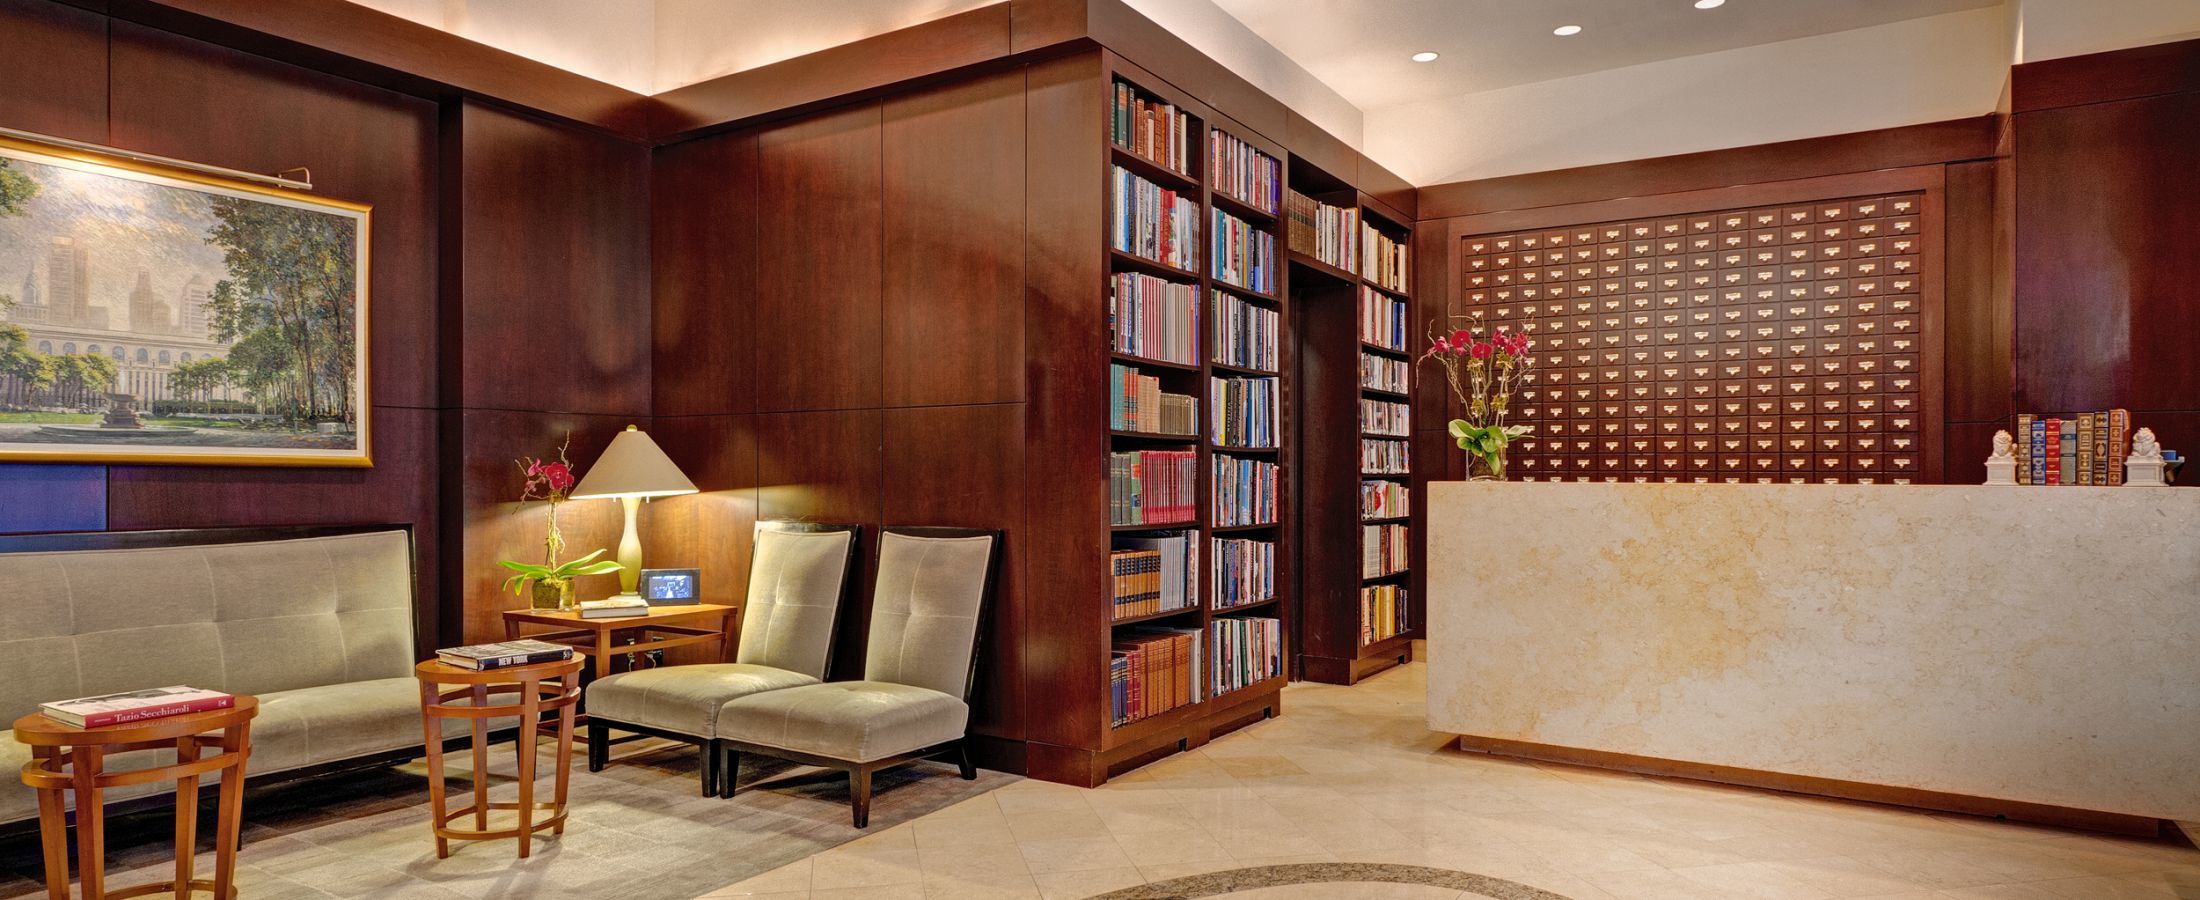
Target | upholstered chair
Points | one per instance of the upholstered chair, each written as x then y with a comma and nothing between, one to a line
797,578
914,700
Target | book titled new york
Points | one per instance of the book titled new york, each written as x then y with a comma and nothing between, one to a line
134,706
504,654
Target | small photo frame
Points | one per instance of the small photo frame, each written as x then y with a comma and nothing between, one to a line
671,587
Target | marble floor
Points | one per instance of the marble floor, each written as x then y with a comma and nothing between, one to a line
1351,775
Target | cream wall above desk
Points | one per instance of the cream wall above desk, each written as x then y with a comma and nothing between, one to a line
2035,645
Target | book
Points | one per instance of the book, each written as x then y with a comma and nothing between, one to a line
1153,223
2022,448
1385,457
504,654
1244,174
1154,575
1152,130
1244,572
1242,411
2069,446
1244,491
1384,417
1136,402
2054,451
1383,613
2119,444
1244,256
1246,651
1152,487
2038,450
1383,260
1154,318
1381,499
1384,320
1324,232
614,608
135,706
1383,550
1382,373
2101,461
1246,334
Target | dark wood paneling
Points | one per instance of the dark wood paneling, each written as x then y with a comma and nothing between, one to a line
183,98
367,45
963,466
837,74
1980,313
2107,283
53,75
818,262
494,525
710,530
1327,152
2100,77
825,467
1325,319
954,188
1389,189
555,267
703,273
1864,151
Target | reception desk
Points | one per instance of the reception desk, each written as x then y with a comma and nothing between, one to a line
2031,652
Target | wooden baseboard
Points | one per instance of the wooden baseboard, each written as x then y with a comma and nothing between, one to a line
2019,810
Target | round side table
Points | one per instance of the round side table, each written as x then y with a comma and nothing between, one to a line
538,693
68,759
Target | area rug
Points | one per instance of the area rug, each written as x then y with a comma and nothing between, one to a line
639,830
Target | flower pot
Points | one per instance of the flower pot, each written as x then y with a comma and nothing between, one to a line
556,595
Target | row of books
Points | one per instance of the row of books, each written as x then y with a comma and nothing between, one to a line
1382,550
1383,260
1152,671
1157,131
1244,256
1246,334
1239,171
1385,457
1153,487
1383,373
1324,232
1156,574
1244,572
1154,317
1384,320
1248,650
2083,449
1384,613
1243,411
1384,417
1136,402
1245,491
1153,222
1381,499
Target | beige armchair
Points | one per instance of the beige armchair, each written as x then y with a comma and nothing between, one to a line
797,578
914,702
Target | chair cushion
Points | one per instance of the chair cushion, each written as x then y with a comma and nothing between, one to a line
857,721
684,699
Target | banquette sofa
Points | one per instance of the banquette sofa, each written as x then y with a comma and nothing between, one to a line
316,622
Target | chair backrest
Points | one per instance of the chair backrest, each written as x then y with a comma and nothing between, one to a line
933,586
797,577
223,609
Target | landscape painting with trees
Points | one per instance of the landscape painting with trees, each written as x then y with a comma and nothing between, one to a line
156,315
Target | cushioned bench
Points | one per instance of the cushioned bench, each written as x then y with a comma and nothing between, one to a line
319,627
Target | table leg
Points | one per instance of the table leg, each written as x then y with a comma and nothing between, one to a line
187,815
53,831
438,803
229,815
511,629
85,764
481,759
530,719
725,637
564,756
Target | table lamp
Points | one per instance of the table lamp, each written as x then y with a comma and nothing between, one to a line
632,469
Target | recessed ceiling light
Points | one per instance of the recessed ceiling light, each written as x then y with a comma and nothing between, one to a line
1566,30
1710,4
1425,56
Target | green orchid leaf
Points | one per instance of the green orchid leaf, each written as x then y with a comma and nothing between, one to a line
525,569
1459,428
603,568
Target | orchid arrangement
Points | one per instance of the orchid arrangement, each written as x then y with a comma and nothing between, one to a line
550,482
1482,373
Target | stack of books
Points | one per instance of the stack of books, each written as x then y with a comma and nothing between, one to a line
1324,232
1383,260
1384,500
1151,129
1244,412
1245,256
2082,448
1243,173
135,706
1154,317
504,654
1245,572
1245,491
1384,417
1247,652
1384,321
1382,373
1382,550
1385,457
1152,487
614,608
1383,613
1137,403
1152,671
1153,575
1154,223
1246,334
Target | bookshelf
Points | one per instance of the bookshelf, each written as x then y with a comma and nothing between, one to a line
1358,327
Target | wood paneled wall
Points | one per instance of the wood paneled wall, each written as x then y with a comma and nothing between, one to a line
839,304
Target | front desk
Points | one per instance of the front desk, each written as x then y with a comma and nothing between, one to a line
2026,651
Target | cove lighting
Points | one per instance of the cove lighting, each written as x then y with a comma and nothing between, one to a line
1425,56
1566,30
1710,4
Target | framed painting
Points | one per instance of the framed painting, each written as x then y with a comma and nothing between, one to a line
157,315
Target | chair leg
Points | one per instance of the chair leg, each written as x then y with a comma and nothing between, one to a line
599,745
962,759
729,771
859,795
710,761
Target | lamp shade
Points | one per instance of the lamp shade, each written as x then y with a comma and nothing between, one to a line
632,467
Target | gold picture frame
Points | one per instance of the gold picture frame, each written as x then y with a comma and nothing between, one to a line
243,335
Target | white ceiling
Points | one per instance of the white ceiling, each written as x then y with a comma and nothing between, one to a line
1361,47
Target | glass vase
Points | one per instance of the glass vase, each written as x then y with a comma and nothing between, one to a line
1486,468
549,594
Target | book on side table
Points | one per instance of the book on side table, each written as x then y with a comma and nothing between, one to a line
504,654
133,706
614,608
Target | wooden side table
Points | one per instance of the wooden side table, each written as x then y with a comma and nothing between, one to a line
537,694
65,758
664,627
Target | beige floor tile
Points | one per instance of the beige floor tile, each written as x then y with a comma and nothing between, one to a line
1753,879
1055,824
1081,883
1071,854
1584,858
1657,884
962,831
1006,858
1156,847
863,868
876,892
980,887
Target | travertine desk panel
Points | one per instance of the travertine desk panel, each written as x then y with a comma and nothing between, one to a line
2039,645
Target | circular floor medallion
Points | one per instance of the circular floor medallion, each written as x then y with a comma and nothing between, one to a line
1234,881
